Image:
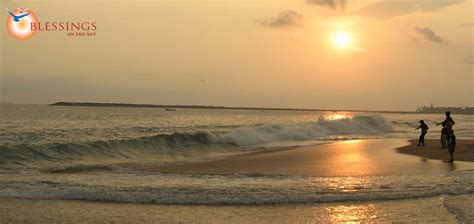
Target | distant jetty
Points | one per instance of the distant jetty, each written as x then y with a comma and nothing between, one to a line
87,104
428,110
442,110
171,107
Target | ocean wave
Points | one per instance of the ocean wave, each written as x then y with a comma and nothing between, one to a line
158,144
241,189
191,142
78,168
362,125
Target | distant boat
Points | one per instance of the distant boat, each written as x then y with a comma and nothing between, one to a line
170,109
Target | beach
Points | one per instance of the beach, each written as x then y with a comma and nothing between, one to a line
346,158
169,111
178,111
215,166
443,209
432,150
354,162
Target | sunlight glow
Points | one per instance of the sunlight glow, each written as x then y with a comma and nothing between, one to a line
342,39
337,116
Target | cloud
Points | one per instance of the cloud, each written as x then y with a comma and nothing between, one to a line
467,24
333,4
430,35
469,59
286,18
393,8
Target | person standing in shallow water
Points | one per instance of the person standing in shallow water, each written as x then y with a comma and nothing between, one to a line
447,127
451,145
424,130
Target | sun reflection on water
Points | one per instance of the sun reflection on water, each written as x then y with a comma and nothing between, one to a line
337,116
352,213
349,184
350,158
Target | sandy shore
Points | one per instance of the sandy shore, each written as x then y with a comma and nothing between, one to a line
347,158
433,150
443,209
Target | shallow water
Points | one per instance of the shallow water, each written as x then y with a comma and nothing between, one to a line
442,209
348,171
41,133
95,154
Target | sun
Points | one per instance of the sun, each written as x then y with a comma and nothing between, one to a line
342,39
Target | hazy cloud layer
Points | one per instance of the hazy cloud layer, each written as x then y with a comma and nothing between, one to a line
469,59
393,8
286,18
333,4
467,24
430,35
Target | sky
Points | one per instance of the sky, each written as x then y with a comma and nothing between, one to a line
327,54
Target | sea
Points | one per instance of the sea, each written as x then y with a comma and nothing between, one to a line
90,153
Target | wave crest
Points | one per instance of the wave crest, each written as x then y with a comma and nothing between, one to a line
362,124
181,143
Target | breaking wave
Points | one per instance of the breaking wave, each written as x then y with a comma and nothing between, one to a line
179,143
360,125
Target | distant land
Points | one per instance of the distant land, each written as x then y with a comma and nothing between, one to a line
438,110
89,104
430,110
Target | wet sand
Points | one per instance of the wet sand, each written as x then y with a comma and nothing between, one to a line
347,158
443,209
432,150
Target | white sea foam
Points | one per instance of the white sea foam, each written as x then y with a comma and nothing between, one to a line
239,189
360,125
201,141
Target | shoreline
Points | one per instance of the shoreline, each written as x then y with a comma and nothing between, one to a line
432,150
448,208
351,158
346,158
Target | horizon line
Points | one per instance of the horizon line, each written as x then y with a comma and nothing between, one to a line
200,106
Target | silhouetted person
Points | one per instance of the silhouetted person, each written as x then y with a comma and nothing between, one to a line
447,127
424,129
451,145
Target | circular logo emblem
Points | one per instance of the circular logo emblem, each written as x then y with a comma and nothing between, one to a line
19,23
